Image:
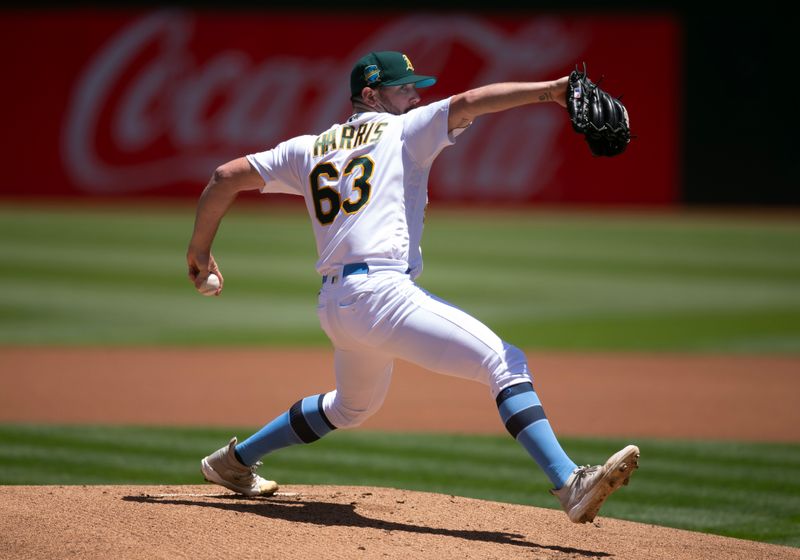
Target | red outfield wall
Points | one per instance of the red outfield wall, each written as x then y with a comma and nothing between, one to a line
150,102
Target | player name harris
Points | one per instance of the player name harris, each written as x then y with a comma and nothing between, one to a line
348,137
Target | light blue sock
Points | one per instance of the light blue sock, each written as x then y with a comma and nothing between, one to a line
304,422
524,417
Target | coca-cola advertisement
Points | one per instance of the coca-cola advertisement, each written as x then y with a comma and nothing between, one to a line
148,103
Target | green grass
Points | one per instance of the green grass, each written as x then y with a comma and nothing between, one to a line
542,280
616,281
743,490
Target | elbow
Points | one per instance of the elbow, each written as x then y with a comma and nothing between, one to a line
235,176
225,173
222,182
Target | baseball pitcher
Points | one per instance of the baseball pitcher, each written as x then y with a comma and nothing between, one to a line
364,182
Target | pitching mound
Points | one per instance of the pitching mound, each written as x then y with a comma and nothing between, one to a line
145,522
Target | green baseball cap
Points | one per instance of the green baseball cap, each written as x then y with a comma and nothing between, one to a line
385,68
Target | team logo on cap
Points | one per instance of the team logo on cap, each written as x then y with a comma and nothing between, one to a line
409,66
372,74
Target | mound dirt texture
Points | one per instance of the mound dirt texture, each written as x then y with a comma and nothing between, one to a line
741,397
135,522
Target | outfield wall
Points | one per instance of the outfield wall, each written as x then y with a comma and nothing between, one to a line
148,101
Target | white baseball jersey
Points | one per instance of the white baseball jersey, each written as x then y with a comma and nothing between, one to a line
364,184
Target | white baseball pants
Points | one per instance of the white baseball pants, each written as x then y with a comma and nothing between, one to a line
374,318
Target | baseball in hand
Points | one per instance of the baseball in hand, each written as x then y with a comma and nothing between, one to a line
210,286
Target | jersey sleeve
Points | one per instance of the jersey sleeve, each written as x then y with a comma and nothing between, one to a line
425,131
281,167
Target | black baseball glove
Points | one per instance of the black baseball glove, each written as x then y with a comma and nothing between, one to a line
600,118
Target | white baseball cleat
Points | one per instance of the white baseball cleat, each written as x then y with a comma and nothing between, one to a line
223,468
588,487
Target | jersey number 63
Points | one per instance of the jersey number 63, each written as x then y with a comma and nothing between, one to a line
327,200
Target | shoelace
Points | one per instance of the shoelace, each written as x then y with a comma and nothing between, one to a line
249,474
585,470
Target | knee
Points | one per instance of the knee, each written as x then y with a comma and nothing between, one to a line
347,418
510,368
343,416
515,359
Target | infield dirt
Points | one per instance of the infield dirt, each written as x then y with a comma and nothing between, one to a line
740,397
